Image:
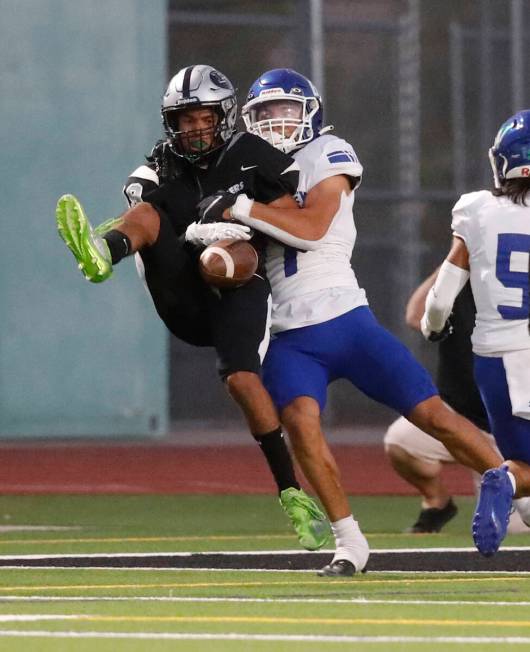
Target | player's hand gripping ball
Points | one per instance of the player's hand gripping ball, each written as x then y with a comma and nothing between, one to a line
228,263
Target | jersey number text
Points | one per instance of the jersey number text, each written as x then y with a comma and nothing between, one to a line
506,244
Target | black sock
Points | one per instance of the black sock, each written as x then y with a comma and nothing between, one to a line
119,245
278,457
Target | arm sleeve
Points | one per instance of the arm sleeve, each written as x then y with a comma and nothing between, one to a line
441,297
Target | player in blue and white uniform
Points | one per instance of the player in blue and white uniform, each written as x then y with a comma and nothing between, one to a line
491,246
202,152
322,325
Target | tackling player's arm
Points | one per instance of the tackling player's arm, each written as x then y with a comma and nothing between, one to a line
285,201
302,228
453,275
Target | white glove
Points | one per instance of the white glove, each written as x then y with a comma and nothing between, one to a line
425,327
207,234
241,208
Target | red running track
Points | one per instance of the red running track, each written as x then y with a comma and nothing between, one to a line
168,469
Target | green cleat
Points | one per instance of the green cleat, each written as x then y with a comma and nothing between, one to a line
88,247
309,521
107,225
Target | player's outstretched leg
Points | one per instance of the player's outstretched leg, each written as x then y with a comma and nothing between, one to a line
309,521
89,249
492,513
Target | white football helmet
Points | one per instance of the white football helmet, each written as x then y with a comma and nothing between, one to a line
199,86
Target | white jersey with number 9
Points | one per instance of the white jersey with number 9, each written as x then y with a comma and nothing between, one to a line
497,236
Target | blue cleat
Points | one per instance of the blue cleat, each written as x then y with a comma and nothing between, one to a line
492,513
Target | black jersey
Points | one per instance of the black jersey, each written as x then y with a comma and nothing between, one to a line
455,378
234,321
247,164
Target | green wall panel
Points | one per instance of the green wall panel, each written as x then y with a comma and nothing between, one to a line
79,107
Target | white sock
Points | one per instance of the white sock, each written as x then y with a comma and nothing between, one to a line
350,542
512,480
522,505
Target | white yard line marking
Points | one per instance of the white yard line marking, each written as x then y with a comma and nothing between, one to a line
459,575
38,528
137,569
162,598
237,553
486,640
33,618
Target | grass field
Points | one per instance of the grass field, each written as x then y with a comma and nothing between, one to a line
48,608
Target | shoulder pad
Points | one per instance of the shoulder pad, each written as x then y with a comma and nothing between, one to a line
472,200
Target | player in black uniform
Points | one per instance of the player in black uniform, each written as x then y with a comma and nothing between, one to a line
203,154
415,456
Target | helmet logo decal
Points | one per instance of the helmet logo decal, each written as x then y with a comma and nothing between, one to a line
272,91
219,79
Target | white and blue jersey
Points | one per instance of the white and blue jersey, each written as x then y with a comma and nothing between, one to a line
302,281
322,326
497,236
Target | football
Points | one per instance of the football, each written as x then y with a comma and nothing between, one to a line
228,263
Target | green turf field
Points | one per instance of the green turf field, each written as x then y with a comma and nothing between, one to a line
176,609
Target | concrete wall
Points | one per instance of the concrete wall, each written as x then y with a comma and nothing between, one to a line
79,107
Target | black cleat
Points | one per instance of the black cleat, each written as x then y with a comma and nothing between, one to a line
433,519
338,568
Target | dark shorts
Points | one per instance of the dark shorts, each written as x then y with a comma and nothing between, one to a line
235,322
354,346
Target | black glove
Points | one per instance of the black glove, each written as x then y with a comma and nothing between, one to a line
166,163
446,331
211,208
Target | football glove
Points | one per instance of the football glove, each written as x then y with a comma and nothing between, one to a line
211,208
166,164
434,336
206,234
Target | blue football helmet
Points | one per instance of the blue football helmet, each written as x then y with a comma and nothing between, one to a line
510,154
284,108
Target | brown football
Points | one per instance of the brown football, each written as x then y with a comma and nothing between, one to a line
228,263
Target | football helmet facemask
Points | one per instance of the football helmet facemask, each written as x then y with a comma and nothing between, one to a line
193,88
510,154
284,108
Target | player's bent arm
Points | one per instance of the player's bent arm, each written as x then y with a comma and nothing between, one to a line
416,304
459,255
302,228
285,201
453,275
